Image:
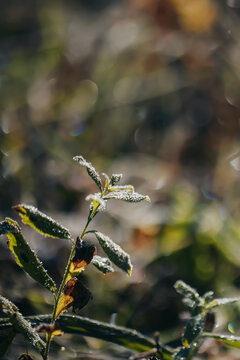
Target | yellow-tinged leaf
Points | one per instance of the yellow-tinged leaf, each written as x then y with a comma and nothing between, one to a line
74,294
64,303
74,271
42,222
84,253
121,187
186,343
96,201
12,243
26,257
57,332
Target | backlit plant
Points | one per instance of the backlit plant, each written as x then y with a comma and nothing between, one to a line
73,294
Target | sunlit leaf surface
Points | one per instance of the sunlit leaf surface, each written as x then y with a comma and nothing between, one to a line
115,253
26,257
126,195
41,222
90,169
102,264
224,301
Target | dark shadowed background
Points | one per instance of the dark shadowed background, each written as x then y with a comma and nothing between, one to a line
147,88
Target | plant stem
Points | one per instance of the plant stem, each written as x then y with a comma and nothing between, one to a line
48,342
90,217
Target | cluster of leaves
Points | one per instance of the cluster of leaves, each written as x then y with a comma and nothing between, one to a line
72,293
201,321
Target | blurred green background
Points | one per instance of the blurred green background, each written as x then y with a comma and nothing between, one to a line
147,88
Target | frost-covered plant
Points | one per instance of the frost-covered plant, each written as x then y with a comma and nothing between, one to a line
72,293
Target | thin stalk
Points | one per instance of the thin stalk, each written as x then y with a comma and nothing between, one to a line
48,342
62,283
66,272
49,338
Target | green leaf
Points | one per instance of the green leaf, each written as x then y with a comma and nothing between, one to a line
126,195
185,290
115,178
26,257
193,329
230,340
126,337
83,326
90,169
219,302
102,264
6,337
191,297
182,354
115,253
21,325
7,227
208,297
41,222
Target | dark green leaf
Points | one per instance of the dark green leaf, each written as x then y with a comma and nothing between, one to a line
185,290
126,337
83,326
193,329
21,325
191,297
6,227
26,257
41,222
115,253
182,354
102,264
90,169
208,297
115,178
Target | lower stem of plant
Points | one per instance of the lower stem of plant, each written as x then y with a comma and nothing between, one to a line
48,341
62,283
